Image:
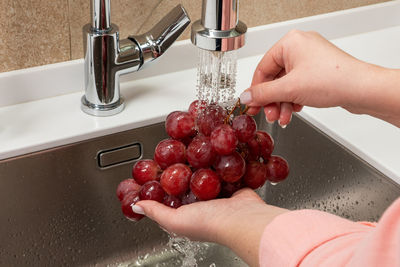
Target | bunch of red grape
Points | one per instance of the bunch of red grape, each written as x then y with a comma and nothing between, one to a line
211,153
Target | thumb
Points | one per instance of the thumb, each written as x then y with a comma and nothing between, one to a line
156,211
262,94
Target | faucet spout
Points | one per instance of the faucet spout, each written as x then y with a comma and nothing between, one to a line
219,28
157,40
107,57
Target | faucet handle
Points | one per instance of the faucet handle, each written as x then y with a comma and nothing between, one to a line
157,40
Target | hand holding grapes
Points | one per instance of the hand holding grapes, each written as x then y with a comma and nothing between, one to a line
236,222
304,69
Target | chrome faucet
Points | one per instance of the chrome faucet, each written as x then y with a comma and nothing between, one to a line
107,57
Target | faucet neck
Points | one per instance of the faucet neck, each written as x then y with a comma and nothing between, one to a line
221,15
100,15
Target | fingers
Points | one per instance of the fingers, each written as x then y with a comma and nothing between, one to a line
297,107
274,87
267,77
281,112
253,110
270,65
278,90
272,112
285,114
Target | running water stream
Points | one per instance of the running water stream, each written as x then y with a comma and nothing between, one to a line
216,77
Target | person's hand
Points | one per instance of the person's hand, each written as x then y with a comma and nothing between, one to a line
303,68
237,222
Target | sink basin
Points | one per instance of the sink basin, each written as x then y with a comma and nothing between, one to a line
58,207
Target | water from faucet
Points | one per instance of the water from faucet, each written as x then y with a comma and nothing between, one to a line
216,77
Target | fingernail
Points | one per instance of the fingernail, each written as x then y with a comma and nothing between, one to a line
245,97
137,209
282,126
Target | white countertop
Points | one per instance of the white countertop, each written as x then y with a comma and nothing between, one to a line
52,115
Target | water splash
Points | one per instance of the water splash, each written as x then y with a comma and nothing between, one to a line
188,249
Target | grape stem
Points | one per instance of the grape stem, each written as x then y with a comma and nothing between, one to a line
237,105
241,111
246,108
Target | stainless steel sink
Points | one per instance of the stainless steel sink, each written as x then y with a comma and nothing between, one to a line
58,207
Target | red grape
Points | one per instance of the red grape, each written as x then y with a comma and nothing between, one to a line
172,202
228,189
189,198
212,116
223,139
169,152
231,167
175,179
146,170
277,169
256,174
261,145
126,205
200,153
126,186
196,107
180,125
245,127
205,184
152,190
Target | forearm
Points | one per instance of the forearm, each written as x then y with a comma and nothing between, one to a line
388,103
316,238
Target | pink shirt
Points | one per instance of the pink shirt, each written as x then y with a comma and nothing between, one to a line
316,238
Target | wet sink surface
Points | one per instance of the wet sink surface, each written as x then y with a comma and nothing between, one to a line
58,207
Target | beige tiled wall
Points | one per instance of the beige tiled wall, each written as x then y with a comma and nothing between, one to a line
40,32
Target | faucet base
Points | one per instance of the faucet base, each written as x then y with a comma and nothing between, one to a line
102,110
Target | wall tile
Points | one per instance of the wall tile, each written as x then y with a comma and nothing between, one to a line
127,14
33,33
259,12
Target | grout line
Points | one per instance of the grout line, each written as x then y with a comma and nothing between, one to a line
69,29
148,16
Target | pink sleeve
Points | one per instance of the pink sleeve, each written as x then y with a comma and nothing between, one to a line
316,238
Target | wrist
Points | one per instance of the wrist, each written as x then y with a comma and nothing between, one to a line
242,231
375,91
